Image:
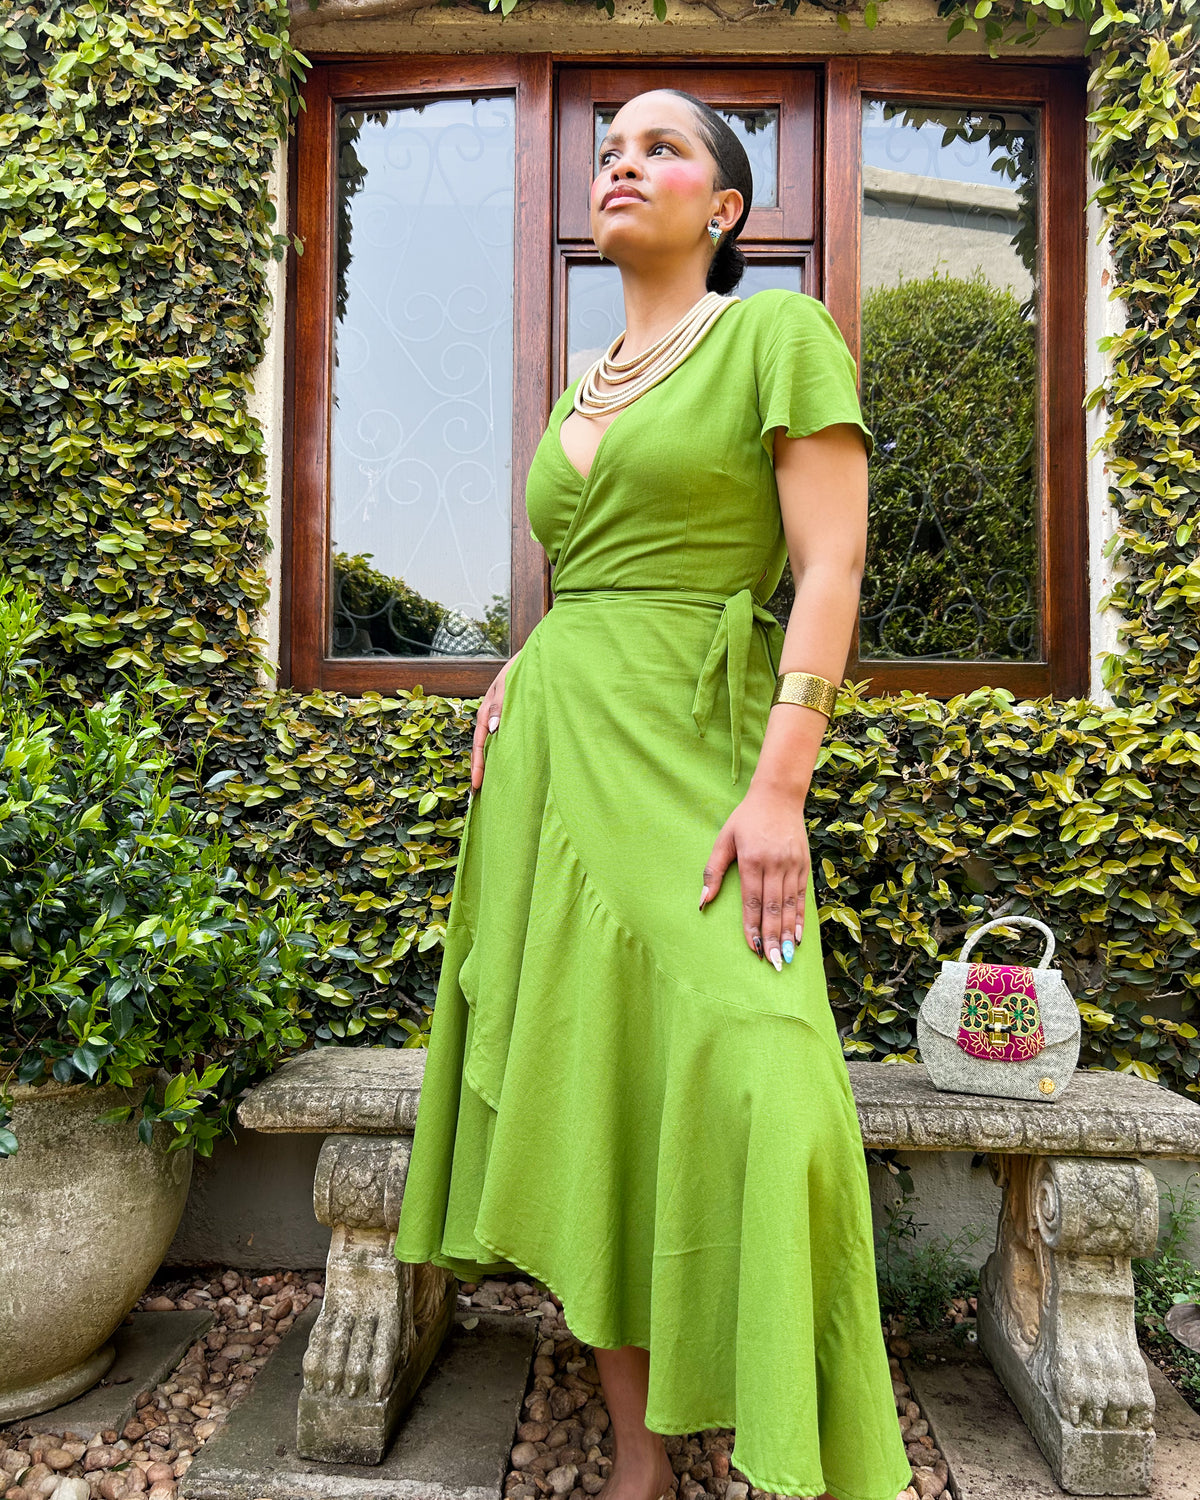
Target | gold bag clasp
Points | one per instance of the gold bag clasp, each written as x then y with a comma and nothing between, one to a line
999,1022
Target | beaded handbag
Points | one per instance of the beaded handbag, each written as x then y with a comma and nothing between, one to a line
1010,1030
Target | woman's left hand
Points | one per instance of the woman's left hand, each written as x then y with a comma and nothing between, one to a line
765,833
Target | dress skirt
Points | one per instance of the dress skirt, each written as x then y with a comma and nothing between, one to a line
620,1098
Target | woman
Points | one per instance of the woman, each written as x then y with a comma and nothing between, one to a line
657,1121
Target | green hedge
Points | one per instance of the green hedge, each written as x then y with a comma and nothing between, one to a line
949,388
936,815
135,237
359,803
924,818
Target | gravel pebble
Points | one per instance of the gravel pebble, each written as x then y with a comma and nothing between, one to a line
72,1489
173,1421
563,1444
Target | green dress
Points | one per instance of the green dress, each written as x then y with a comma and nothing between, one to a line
620,1098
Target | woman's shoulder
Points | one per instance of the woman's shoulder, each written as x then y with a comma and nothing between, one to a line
778,311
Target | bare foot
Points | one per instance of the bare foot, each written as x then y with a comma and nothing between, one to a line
648,1476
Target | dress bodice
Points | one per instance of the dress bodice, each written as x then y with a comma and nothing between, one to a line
681,492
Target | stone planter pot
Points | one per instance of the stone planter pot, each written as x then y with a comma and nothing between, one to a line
86,1215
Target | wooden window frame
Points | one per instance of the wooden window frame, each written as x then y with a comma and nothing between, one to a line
306,559
830,242
1059,91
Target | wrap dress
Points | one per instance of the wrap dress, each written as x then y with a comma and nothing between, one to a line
620,1098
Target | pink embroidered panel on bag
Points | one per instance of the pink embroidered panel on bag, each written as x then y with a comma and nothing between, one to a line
1010,988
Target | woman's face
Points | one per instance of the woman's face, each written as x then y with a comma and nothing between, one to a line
653,194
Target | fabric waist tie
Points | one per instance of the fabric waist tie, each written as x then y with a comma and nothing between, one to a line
731,641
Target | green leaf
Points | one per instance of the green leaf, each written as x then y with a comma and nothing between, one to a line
88,1057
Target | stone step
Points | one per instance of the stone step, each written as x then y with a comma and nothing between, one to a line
148,1349
453,1442
991,1453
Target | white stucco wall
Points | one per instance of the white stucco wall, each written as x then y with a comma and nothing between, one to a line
691,28
250,1204
1101,317
266,405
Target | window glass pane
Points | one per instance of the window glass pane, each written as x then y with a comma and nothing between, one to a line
596,309
420,528
950,383
758,131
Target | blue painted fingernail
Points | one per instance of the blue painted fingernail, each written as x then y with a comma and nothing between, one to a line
789,950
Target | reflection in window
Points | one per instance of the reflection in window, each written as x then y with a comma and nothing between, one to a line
596,308
950,383
758,131
420,508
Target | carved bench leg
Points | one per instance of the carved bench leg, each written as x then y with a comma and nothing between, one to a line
1056,1314
382,1320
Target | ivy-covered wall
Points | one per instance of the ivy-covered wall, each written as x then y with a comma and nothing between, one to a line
135,240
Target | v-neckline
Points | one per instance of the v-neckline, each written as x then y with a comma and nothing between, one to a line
585,479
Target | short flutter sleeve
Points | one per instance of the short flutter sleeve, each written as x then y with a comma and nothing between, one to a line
806,374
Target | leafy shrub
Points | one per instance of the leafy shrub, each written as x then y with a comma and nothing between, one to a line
929,818
359,804
126,946
950,381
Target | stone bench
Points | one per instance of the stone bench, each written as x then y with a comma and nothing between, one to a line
1055,1310
1055,1306
383,1320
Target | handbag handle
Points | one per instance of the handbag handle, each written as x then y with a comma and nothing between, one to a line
1047,952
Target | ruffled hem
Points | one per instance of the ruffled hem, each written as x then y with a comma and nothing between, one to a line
509,1261
713,1424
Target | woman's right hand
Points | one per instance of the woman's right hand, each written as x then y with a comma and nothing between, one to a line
487,721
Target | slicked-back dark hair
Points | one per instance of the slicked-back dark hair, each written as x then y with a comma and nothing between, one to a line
733,171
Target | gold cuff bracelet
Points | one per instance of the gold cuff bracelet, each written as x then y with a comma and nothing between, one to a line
807,689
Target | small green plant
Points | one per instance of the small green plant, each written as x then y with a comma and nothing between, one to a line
1163,1279
917,1284
129,953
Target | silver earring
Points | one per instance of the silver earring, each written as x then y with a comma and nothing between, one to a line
714,230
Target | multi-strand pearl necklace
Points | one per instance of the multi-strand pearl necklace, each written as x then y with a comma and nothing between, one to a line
633,377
